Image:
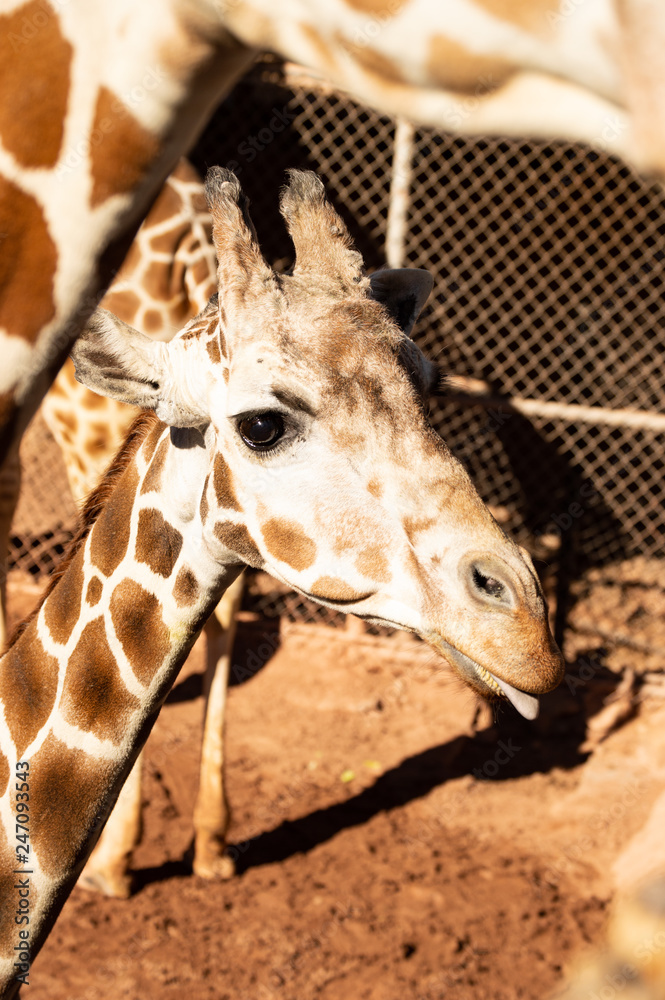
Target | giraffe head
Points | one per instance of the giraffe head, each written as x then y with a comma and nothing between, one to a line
304,399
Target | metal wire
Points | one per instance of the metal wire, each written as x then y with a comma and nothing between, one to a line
548,262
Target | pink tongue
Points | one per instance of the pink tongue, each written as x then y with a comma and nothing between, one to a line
526,704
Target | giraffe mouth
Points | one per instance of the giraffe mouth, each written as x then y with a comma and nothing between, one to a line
526,704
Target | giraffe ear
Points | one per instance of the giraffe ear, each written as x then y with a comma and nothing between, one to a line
403,291
116,360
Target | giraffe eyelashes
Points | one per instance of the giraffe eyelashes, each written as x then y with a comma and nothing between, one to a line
262,431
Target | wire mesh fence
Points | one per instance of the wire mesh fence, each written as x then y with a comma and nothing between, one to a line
45,517
548,266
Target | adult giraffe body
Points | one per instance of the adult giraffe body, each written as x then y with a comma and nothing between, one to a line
289,434
99,100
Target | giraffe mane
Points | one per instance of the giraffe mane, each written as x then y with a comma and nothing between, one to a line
92,508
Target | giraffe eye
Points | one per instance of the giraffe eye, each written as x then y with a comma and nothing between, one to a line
261,431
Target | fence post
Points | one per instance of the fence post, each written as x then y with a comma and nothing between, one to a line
400,191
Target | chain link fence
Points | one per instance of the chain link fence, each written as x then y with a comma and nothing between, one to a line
549,276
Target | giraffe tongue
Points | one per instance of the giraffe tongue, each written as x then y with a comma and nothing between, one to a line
526,704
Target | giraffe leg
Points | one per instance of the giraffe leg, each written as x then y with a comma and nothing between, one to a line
107,870
10,484
211,813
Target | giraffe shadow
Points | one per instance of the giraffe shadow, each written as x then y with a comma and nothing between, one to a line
510,748
554,741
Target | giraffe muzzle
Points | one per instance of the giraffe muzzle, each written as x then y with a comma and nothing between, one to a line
526,704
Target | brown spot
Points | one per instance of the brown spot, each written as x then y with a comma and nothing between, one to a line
287,541
455,67
414,525
124,304
94,591
225,373
330,588
153,321
237,538
94,401
324,54
203,507
372,563
222,338
67,420
223,482
169,240
152,441
27,263
4,774
168,203
184,171
120,161
57,388
153,477
186,588
531,15
156,280
375,488
63,606
200,271
180,312
158,543
137,619
212,347
94,696
372,61
28,682
68,789
383,8
35,62
110,535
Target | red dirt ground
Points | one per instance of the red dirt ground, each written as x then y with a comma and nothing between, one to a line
388,844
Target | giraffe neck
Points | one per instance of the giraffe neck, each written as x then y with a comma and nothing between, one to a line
170,271
87,676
